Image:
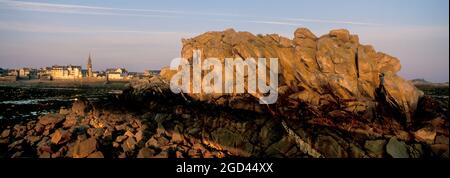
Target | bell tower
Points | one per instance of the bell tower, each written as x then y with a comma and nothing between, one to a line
89,66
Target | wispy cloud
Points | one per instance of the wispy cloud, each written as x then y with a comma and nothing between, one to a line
78,9
158,13
331,21
54,28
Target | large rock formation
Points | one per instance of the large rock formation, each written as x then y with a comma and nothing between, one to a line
333,72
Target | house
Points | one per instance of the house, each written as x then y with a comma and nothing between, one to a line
66,72
148,73
44,73
117,74
24,73
13,72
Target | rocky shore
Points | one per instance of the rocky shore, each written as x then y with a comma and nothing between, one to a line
148,121
328,107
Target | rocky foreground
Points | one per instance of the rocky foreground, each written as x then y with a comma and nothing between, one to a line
328,107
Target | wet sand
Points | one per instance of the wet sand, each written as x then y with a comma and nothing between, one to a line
28,99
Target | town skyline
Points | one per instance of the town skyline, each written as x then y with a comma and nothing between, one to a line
84,65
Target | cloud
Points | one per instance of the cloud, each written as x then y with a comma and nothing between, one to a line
275,23
332,21
157,13
53,28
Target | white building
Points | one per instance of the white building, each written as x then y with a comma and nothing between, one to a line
117,74
66,72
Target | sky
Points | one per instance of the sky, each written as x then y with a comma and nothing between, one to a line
147,34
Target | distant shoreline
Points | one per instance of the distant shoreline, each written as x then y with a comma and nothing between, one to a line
119,84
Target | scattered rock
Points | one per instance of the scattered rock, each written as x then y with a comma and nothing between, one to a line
163,141
329,147
397,149
403,135
71,120
194,154
129,133
96,154
95,132
64,111
375,148
79,107
356,152
45,155
50,119
441,139
440,150
129,144
282,146
56,137
426,135
121,138
415,151
17,154
139,135
146,153
5,133
152,143
84,148
162,154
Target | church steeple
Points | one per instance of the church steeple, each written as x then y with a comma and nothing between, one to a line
89,66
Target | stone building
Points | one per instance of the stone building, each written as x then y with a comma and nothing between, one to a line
117,74
24,73
66,72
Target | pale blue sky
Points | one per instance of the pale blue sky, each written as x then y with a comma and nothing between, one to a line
146,34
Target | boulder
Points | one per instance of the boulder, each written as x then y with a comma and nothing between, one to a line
71,120
415,151
332,69
146,153
19,131
129,144
162,154
356,152
441,139
82,149
139,136
97,154
95,132
5,133
281,147
80,107
304,33
121,138
375,148
329,147
340,34
397,149
426,135
152,143
50,119
440,150
226,139
56,137
64,111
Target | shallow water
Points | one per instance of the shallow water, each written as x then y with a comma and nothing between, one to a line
32,102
